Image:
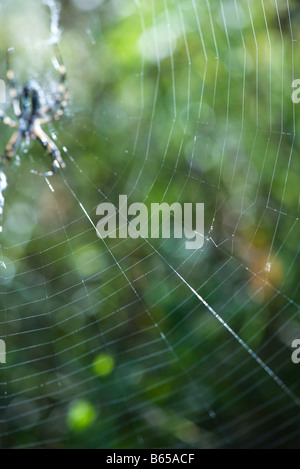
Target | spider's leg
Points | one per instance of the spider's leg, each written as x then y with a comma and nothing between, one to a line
11,149
12,86
52,150
7,120
63,93
61,100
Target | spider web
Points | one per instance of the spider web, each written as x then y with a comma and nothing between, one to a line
172,101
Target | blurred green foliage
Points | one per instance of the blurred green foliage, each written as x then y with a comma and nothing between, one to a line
171,100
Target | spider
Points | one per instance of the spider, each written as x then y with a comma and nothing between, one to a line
31,114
